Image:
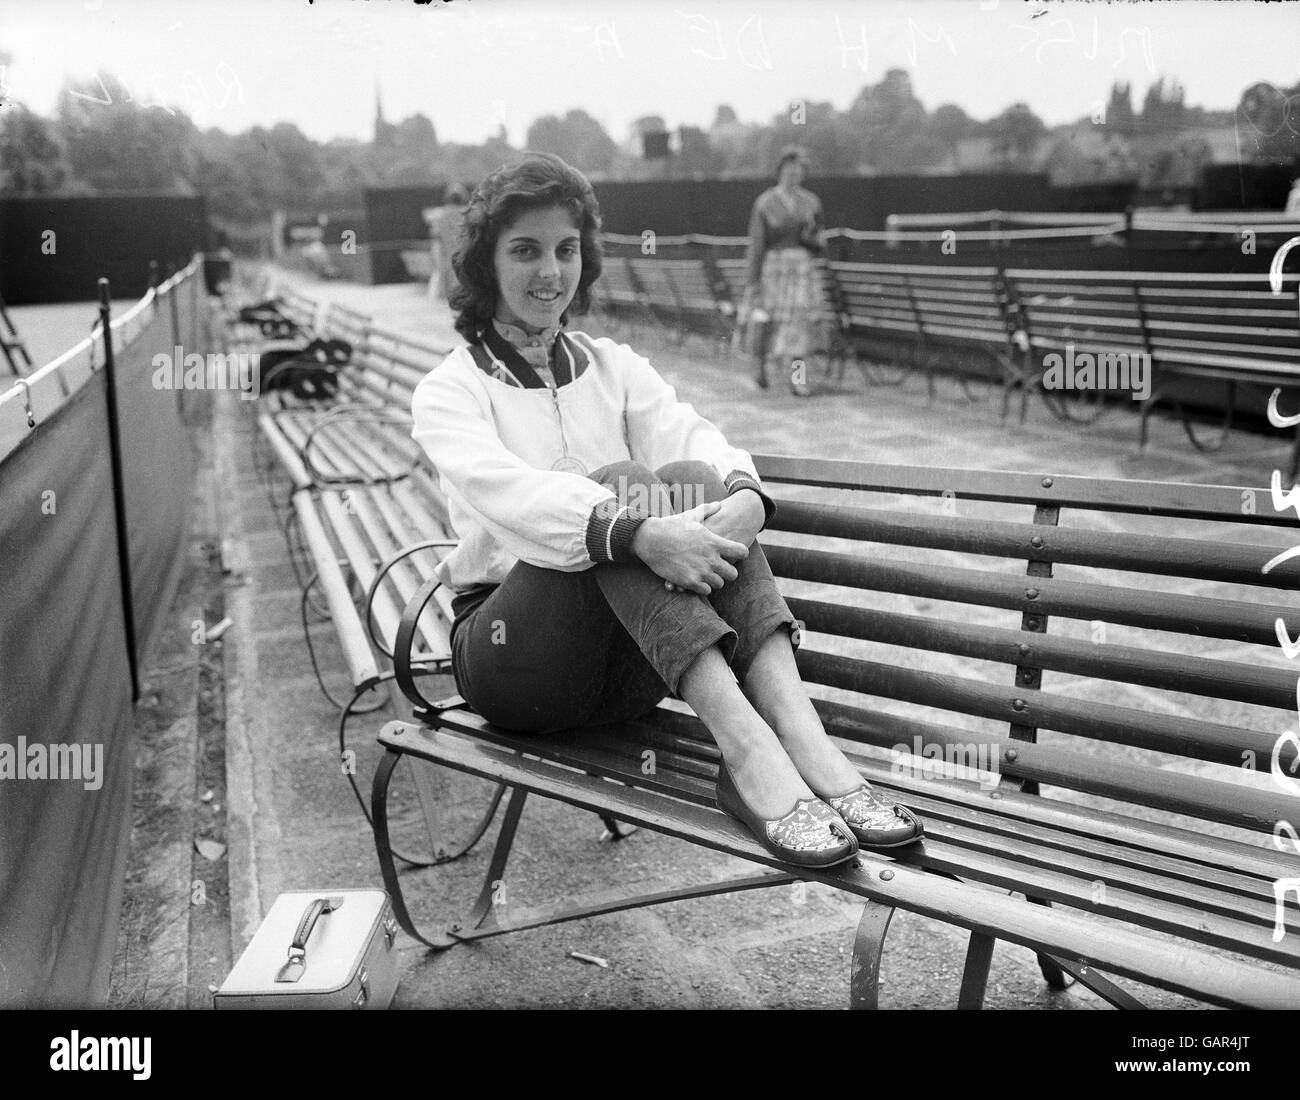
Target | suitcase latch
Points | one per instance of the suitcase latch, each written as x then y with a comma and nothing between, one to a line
363,994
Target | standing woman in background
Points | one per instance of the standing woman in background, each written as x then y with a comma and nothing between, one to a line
782,303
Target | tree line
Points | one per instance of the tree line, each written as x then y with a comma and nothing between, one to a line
92,147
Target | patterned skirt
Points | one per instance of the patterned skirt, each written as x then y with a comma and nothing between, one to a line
790,293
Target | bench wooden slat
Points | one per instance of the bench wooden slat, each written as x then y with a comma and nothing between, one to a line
1187,738
403,580
345,458
1078,853
1180,920
1201,558
391,452
1219,679
1139,497
1233,620
1092,775
284,451
352,637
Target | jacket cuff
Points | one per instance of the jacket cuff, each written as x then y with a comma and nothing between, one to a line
739,479
610,531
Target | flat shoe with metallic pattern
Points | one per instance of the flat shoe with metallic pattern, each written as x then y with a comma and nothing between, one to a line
810,835
875,821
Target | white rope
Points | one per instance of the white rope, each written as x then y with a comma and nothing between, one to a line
134,317
1005,217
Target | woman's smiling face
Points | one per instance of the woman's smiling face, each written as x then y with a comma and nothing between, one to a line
538,261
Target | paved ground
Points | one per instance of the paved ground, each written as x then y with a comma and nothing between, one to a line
293,822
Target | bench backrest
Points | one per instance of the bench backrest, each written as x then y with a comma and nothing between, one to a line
874,300
653,279
694,286
1092,311
1208,320
1017,611
616,284
732,270
959,305
1222,324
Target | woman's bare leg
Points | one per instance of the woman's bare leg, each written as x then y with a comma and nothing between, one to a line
765,776
773,685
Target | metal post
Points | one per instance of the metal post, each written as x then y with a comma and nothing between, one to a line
193,279
171,301
176,330
119,497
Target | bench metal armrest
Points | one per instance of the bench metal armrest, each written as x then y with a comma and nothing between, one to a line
401,555
402,671
343,412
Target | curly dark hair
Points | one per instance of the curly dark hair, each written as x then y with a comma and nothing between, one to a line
538,181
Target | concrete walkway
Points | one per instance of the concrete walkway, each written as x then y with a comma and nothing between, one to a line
294,824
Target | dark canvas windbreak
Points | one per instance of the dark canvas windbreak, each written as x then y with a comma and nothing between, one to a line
64,673
63,678
157,471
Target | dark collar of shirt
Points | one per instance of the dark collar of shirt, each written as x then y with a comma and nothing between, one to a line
516,357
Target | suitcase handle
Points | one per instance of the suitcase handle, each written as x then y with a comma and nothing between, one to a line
294,969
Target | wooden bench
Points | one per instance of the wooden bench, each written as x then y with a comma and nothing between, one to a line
658,294
1229,329
947,320
1190,327
1092,312
1093,661
973,323
703,307
619,297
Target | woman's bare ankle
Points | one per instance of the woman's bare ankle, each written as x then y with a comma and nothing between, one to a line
820,762
766,777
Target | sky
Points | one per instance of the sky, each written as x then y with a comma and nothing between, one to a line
470,65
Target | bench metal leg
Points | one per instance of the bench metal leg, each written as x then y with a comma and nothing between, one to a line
868,946
1015,377
616,830
1050,967
1144,414
483,912
384,850
975,977
1061,973
1209,446
1090,979
422,781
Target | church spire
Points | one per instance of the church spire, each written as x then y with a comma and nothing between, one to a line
383,130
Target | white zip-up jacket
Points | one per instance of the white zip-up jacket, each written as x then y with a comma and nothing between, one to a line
512,452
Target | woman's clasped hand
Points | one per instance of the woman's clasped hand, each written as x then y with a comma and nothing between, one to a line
689,556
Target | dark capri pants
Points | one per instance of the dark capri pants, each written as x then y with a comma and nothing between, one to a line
549,649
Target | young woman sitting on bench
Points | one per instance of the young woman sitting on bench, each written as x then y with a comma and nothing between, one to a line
607,554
